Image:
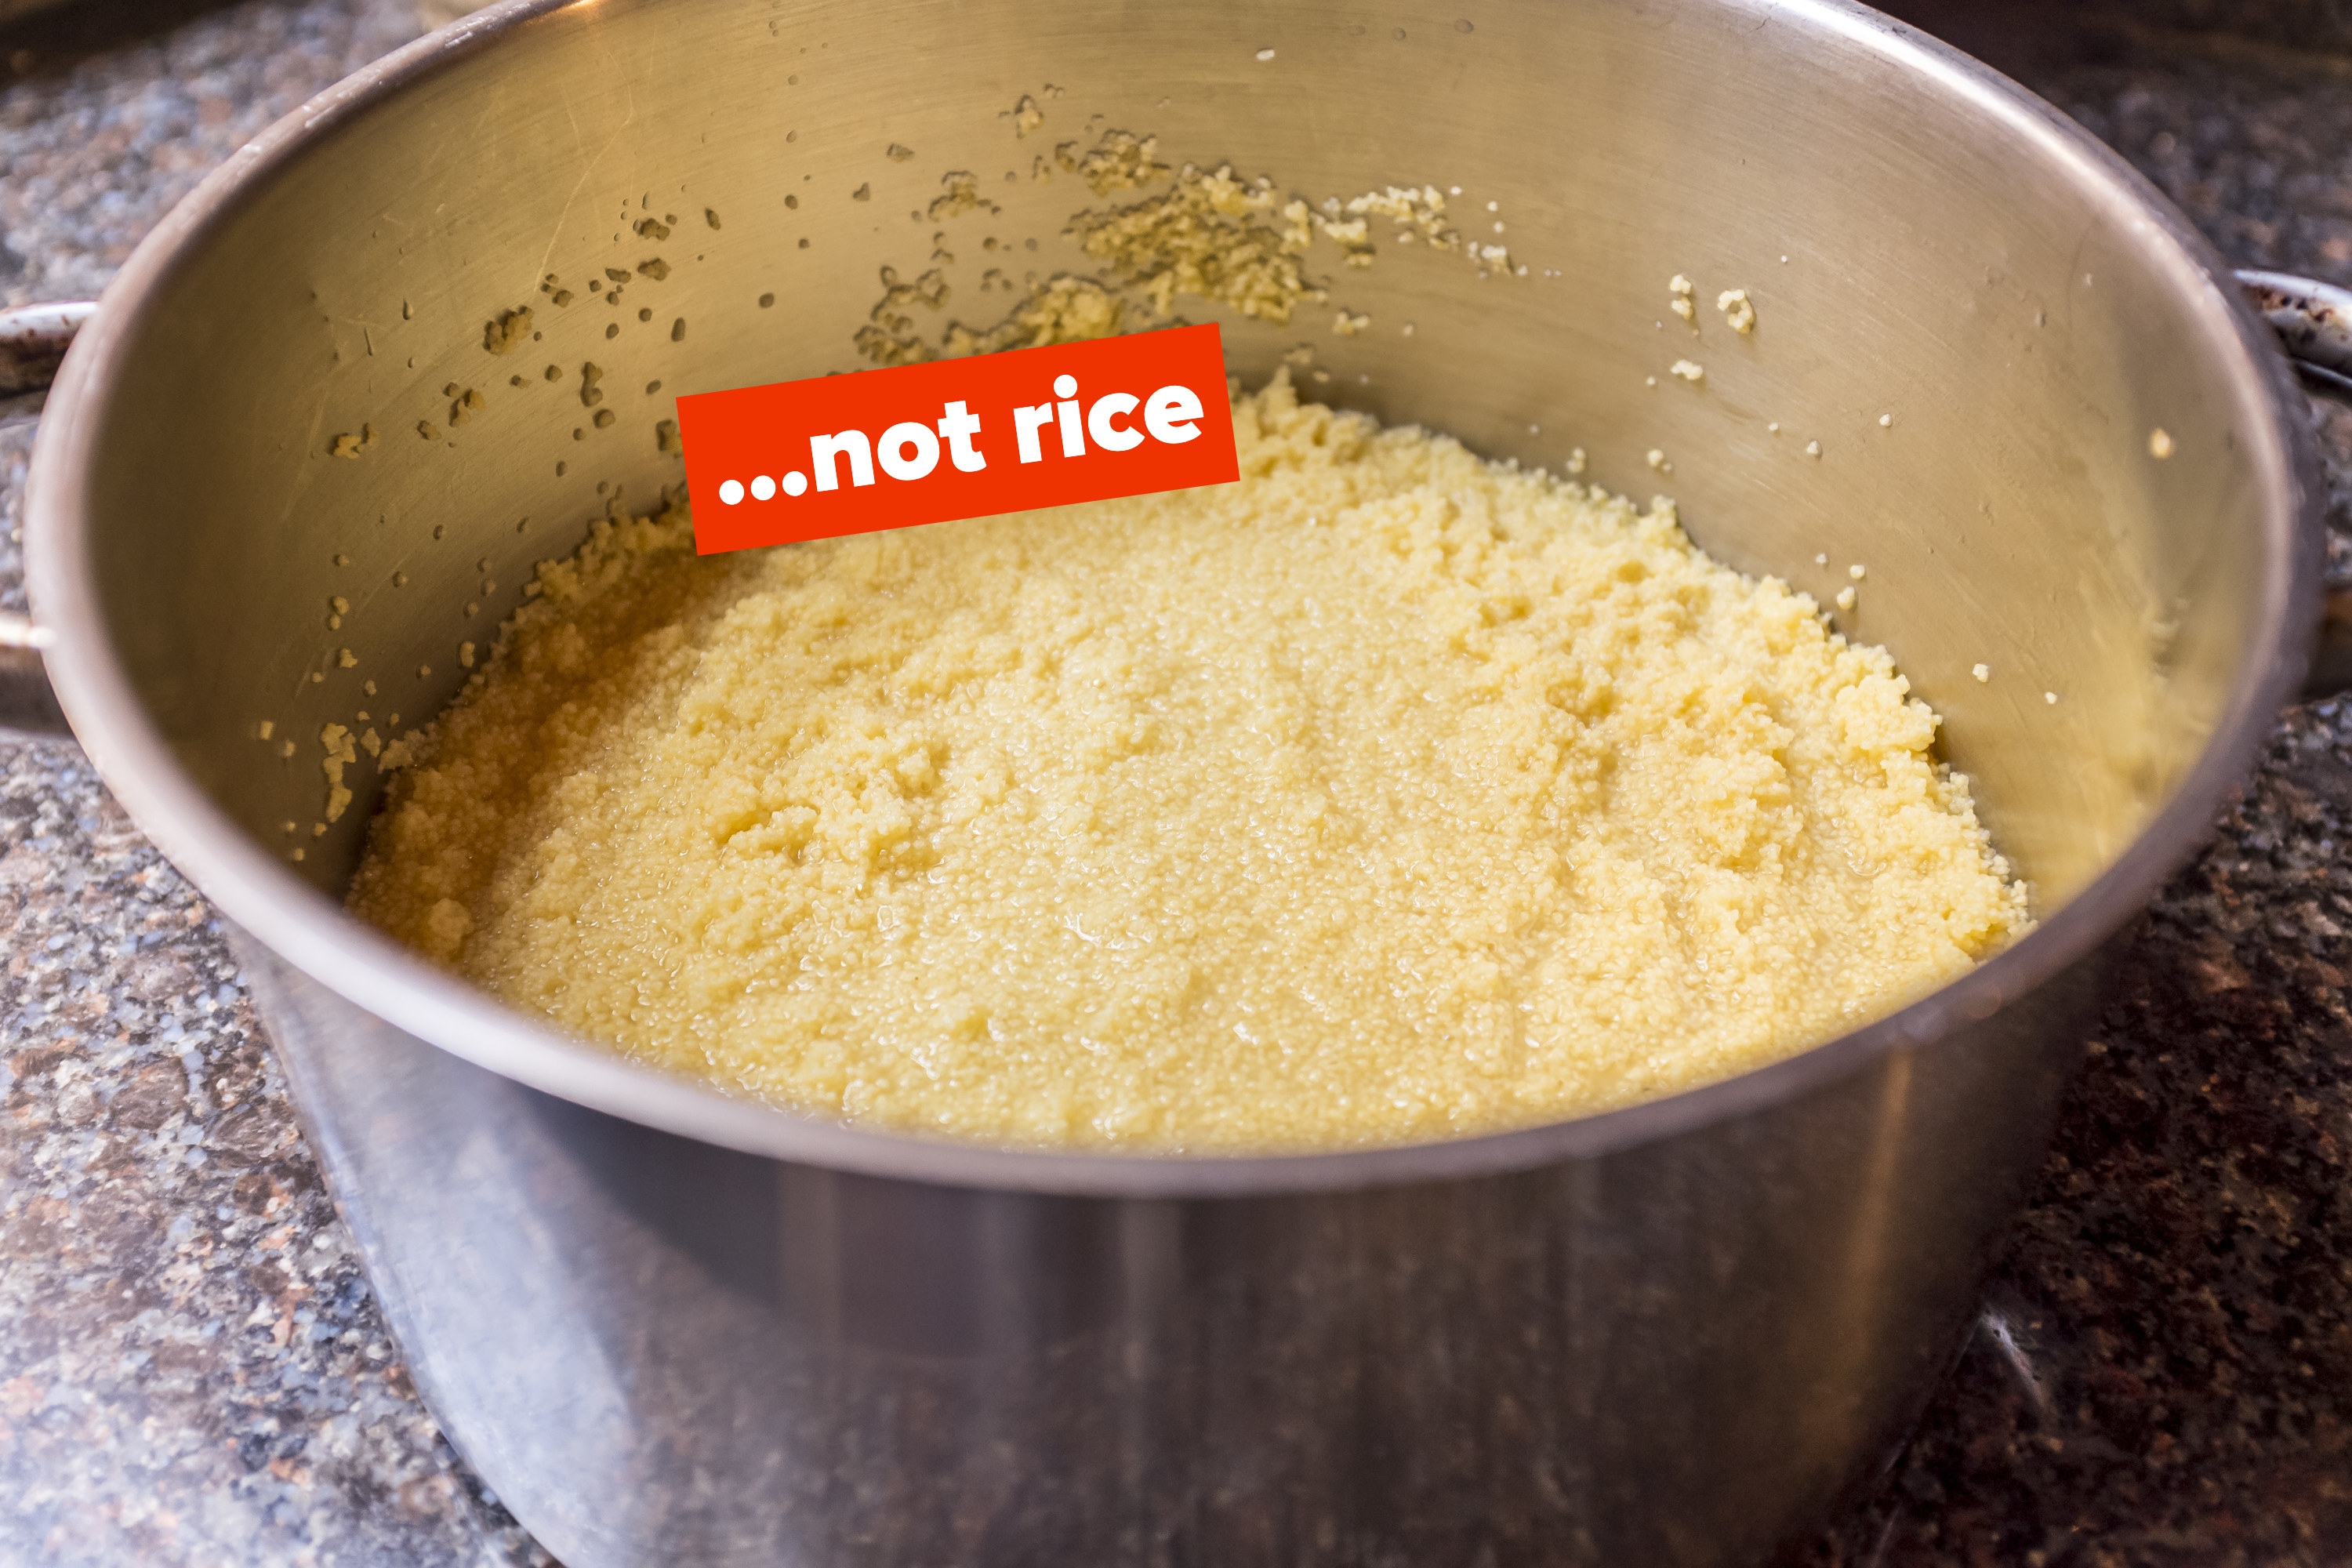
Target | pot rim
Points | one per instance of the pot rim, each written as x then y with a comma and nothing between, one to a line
313,933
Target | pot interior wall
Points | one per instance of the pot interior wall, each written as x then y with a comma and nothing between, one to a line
1911,253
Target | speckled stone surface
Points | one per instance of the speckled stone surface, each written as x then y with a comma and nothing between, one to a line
96,151
191,1366
192,1370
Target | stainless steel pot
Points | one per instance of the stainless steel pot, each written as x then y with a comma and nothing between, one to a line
668,1326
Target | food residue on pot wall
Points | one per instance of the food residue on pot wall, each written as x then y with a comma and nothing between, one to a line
1165,231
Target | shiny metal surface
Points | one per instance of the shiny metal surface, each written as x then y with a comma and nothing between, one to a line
26,703
669,1352
2314,323
670,1326
33,343
34,339
2313,319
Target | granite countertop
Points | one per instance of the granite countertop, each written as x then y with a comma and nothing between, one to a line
193,1371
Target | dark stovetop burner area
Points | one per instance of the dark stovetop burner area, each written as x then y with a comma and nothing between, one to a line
192,1370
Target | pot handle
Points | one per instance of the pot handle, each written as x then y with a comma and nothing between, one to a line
2314,323
33,343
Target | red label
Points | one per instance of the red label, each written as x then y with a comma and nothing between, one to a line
968,438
